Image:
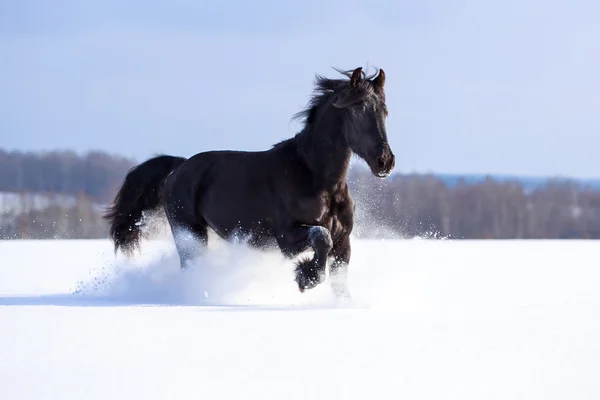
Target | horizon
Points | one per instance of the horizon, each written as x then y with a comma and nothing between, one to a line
355,162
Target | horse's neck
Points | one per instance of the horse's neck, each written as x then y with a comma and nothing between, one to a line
326,152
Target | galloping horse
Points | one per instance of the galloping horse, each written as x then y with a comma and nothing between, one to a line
293,196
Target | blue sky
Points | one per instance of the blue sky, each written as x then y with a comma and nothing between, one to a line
473,86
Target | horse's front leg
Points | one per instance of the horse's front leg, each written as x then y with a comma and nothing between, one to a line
339,269
292,241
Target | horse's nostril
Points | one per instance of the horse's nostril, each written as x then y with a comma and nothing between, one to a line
381,162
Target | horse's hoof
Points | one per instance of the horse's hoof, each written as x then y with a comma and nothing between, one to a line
308,275
341,293
306,283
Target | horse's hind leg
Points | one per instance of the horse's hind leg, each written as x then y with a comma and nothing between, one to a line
190,237
190,240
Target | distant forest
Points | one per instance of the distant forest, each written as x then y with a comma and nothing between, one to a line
62,195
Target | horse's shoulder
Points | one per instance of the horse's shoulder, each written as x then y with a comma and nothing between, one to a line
341,215
341,195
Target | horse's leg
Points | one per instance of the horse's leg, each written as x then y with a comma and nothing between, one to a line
338,275
292,241
190,236
190,240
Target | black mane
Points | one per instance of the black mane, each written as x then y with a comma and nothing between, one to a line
325,88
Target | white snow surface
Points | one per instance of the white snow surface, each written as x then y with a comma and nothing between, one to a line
430,319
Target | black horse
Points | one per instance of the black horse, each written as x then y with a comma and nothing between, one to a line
293,196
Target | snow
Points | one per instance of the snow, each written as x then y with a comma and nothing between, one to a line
430,319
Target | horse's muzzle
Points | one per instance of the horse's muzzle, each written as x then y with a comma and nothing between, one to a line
385,164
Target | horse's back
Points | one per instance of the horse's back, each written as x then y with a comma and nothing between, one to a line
230,189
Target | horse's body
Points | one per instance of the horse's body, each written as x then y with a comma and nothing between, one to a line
293,196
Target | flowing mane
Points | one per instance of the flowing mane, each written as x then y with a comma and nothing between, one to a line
325,88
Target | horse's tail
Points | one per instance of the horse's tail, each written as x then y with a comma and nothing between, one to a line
140,191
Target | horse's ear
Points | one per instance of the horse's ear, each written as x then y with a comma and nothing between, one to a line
356,76
348,96
379,81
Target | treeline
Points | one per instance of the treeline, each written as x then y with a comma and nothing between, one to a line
50,216
63,195
57,194
95,174
425,206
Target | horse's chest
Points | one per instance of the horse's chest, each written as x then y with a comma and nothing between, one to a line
322,209
312,209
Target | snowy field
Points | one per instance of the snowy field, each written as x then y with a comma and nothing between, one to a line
429,320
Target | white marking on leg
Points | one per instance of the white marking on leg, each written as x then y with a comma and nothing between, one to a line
319,231
315,230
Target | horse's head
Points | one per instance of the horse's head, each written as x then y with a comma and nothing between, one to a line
363,100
